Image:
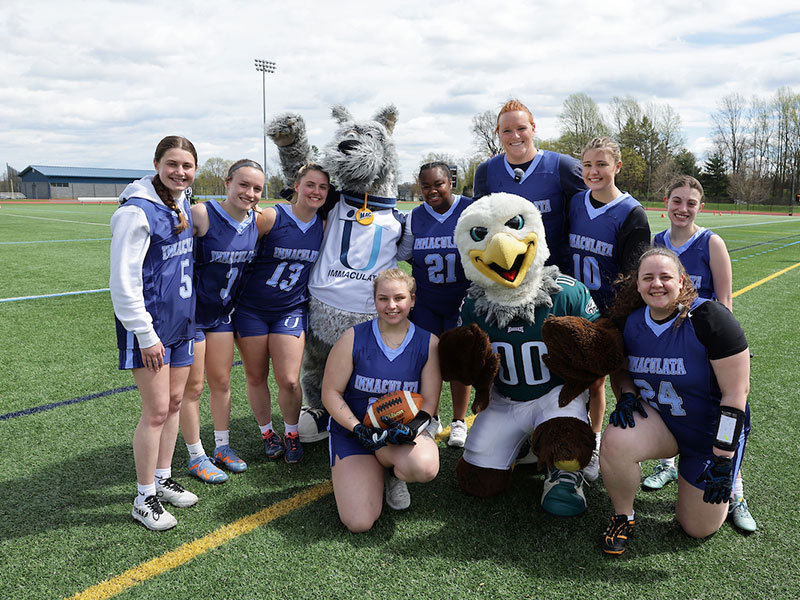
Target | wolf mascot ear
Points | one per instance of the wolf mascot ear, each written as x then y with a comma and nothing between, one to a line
387,117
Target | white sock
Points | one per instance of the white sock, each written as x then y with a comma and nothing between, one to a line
631,516
143,491
597,437
222,438
289,428
265,428
738,490
195,450
162,475
668,463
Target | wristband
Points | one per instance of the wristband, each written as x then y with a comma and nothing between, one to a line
729,428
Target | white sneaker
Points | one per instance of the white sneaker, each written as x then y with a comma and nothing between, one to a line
396,491
434,427
313,424
152,515
173,492
592,471
458,434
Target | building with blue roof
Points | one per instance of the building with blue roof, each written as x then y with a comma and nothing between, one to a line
44,182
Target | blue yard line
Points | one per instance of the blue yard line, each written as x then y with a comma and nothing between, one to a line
764,252
52,405
53,295
56,241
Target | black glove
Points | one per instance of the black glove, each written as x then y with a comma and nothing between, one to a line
718,477
398,433
622,415
405,434
371,438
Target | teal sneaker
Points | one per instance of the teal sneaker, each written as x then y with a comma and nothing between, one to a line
661,476
741,517
563,493
273,445
205,470
225,456
294,449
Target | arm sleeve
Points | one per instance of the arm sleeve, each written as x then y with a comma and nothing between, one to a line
479,182
718,330
406,245
571,176
634,238
130,240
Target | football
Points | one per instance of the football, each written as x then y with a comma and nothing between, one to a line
398,406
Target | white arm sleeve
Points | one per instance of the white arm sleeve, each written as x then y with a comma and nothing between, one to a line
130,240
406,244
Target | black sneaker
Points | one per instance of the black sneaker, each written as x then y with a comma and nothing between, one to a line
273,444
616,537
294,449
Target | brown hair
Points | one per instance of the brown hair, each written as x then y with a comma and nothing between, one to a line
166,144
395,274
627,298
302,172
244,162
607,145
684,181
513,105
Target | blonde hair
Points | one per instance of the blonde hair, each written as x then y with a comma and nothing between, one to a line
605,144
395,274
302,172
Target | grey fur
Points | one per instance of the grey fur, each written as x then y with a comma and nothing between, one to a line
502,314
326,324
288,131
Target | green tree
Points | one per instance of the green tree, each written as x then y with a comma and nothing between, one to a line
714,178
580,121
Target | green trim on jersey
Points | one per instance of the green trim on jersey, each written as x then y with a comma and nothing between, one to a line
523,376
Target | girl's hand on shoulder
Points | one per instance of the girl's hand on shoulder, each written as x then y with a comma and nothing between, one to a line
265,220
153,357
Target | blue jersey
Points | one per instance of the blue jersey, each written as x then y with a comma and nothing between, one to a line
549,182
167,273
695,256
594,243
378,369
435,261
276,280
220,256
671,368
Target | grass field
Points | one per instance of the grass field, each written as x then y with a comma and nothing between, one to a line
67,476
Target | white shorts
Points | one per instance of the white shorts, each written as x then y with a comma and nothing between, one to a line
498,431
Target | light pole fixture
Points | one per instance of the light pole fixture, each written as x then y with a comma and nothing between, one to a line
265,66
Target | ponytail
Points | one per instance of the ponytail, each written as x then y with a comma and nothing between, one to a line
169,202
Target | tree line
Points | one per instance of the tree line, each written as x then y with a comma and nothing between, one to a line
755,158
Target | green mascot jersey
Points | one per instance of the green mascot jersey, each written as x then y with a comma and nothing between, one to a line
523,376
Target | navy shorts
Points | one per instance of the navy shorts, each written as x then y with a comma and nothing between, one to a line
248,324
343,443
225,326
180,354
431,320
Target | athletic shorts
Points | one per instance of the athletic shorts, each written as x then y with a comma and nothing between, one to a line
180,354
225,326
692,457
499,430
431,320
248,324
343,443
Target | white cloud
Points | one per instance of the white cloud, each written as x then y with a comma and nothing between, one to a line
98,83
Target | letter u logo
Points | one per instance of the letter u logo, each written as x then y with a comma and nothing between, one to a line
376,247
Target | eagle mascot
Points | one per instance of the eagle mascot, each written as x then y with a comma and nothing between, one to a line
531,342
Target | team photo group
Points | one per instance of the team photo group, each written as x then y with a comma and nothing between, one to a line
527,297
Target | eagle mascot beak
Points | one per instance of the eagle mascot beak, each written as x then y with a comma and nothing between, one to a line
506,259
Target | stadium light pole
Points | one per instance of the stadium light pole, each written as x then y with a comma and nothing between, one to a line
265,66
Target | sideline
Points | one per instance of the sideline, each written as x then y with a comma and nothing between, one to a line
53,295
6,214
185,553
56,241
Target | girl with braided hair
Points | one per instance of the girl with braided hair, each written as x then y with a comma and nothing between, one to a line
153,297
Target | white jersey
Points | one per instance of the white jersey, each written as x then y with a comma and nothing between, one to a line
351,257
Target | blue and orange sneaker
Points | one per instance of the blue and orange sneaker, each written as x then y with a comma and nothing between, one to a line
225,456
273,444
202,468
294,449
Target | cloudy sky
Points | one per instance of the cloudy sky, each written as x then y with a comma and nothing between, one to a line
96,83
